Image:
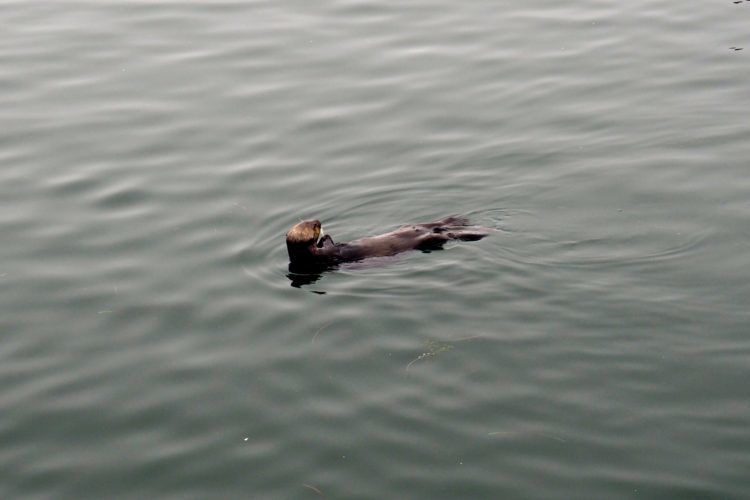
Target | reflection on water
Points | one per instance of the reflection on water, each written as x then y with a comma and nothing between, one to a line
307,276
155,154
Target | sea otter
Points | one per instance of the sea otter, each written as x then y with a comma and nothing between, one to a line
311,251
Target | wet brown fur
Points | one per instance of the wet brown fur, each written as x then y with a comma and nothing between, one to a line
306,231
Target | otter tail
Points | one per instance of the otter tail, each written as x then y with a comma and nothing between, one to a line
452,221
455,228
469,235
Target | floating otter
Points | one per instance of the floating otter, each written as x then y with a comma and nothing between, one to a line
311,251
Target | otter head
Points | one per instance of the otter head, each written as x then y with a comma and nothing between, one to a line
303,241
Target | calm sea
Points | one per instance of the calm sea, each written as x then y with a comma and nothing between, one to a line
153,154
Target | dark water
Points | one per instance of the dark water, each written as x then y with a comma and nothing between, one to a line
154,154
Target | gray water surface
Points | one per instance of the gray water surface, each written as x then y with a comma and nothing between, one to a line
154,154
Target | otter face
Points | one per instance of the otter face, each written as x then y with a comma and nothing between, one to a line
304,240
307,232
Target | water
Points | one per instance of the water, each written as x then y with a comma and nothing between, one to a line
154,154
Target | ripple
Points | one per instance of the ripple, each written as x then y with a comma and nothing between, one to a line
591,252
121,197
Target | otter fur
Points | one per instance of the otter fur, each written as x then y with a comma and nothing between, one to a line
311,249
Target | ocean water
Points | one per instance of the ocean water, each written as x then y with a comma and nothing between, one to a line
596,345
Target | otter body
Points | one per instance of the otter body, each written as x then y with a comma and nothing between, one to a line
311,250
